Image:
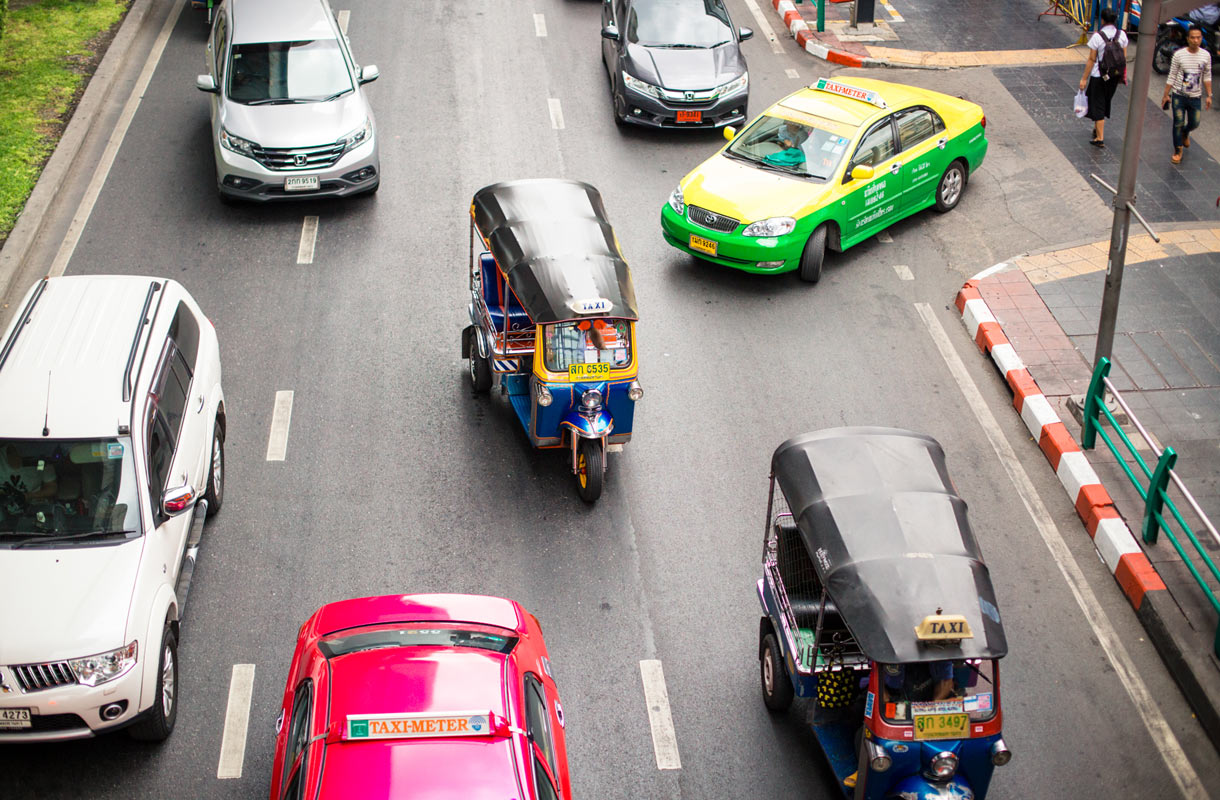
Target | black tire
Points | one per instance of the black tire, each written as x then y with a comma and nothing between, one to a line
227,199
590,469
215,492
1162,56
480,370
620,108
952,185
160,719
776,687
813,255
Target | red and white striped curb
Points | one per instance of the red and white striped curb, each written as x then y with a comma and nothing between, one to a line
1114,541
805,39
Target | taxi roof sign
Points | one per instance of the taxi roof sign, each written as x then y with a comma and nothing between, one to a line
843,90
942,628
590,305
362,727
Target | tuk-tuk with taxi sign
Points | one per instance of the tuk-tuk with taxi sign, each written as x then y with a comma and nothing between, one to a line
878,605
552,319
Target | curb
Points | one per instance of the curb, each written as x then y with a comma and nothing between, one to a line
805,40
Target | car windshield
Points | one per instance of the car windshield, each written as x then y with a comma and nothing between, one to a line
478,637
678,23
909,691
287,72
588,341
811,148
67,489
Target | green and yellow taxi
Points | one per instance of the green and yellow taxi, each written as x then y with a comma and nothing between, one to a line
826,167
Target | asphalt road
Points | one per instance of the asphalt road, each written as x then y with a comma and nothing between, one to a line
397,479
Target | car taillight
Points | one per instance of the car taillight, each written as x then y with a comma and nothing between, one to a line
984,122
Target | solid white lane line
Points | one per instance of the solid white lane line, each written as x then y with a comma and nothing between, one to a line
556,110
77,226
342,18
237,721
904,272
762,23
791,73
884,236
664,740
281,418
309,235
1158,728
539,25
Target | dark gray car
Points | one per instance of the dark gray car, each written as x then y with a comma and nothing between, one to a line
675,63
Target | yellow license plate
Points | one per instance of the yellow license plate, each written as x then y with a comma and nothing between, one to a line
702,245
941,726
586,372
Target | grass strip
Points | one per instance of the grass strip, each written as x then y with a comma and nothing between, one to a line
47,53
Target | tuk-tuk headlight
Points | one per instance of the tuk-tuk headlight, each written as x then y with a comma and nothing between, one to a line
878,757
544,395
635,391
591,401
944,766
1000,754
677,202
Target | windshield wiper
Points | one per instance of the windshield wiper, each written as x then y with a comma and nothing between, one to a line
40,538
681,46
333,96
275,101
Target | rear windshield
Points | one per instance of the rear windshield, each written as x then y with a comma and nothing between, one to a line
265,73
589,341
363,639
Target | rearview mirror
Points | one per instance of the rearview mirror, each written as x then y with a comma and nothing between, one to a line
205,83
745,33
369,73
610,32
175,501
861,172
729,132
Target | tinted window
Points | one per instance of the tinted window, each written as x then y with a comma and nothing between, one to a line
218,45
538,723
171,393
678,23
184,330
876,147
160,457
416,637
287,72
543,782
915,125
298,738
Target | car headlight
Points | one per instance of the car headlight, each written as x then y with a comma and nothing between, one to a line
358,136
237,144
544,395
734,86
774,226
677,202
635,84
944,765
103,667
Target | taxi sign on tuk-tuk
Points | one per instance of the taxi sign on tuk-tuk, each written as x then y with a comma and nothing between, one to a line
843,90
944,628
414,726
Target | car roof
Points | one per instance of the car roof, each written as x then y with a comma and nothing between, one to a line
385,609
858,112
279,21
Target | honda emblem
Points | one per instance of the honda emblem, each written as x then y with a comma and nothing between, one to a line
690,95
299,160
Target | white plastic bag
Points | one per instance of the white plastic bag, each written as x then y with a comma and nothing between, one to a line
1081,105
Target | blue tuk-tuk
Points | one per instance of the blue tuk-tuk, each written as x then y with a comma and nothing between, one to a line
877,605
552,319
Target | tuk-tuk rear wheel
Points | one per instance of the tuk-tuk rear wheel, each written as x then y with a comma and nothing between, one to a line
480,370
776,687
590,469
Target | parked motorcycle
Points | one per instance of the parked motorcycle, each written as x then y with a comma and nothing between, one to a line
1171,36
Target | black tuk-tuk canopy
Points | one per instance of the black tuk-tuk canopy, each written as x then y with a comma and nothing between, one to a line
888,536
552,240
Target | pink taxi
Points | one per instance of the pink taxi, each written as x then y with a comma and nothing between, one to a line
413,696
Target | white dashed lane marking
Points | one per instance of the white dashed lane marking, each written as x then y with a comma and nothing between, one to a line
237,722
791,73
309,235
765,26
342,18
664,740
904,272
884,236
539,25
281,419
556,110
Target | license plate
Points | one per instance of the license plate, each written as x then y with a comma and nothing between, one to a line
584,372
14,718
941,726
702,245
301,183
690,116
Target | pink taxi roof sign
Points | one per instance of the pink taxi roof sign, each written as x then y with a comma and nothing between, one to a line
855,93
361,727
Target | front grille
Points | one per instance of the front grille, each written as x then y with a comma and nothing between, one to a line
36,677
294,158
712,220
43,723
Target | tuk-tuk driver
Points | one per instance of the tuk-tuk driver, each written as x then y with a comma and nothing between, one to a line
918,682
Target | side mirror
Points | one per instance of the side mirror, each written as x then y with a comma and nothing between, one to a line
369,73
610,32
205,83
175,501
729,132
745,33
860,172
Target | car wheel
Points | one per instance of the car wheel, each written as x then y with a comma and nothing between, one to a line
949,191
590,469
159,723
480,370
620,110
813,255
215,492
776,687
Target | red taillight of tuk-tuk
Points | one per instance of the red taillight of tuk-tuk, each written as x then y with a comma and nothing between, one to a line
984,122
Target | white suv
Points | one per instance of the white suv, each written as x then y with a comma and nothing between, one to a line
112,425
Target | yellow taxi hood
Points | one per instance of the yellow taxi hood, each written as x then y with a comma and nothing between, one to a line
747,193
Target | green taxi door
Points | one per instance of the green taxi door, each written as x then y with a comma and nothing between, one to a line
922,137
873,203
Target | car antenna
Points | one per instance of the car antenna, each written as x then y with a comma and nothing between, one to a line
46,415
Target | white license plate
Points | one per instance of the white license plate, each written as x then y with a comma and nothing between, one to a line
14,718
301,183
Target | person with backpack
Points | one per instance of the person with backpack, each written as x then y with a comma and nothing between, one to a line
1105,69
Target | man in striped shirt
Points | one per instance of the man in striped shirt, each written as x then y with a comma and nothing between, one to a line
1190,78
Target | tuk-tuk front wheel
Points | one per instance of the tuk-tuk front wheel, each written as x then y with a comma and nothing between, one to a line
776,686
590,469
480,370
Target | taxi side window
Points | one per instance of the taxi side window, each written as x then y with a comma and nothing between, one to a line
876,146
537,723
542,781
298,738
917,124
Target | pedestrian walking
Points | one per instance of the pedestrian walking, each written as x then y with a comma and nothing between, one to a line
1105,69
1188,89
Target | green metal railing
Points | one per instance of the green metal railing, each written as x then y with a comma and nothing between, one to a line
1154,485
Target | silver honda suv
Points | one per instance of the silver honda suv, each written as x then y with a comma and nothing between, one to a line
289,117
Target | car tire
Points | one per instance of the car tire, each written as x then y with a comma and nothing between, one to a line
620,109
227,199
480,370
949,190
214,494
590,469
160,719
776,687
813,255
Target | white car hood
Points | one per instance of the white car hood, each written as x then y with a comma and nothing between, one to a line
296,124
59,603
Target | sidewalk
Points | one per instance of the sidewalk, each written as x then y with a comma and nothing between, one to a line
1037,317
